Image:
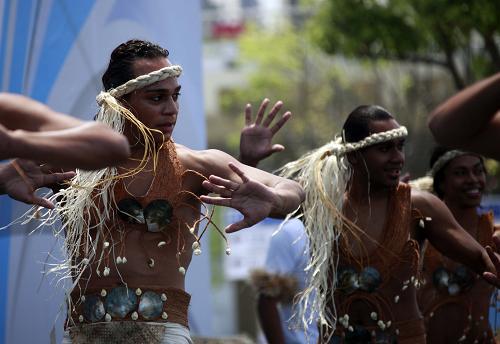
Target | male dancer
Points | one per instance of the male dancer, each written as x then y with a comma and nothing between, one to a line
453,299
365,231
131,231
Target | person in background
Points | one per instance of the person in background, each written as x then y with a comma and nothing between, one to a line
455,300
283,275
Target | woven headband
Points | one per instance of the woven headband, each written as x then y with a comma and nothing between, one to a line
371,140
140,82
444,159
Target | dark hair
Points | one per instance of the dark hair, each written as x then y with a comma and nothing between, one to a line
119,70
438,152
357,124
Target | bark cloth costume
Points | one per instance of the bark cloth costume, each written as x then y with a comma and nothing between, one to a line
358,297
114,297
452,292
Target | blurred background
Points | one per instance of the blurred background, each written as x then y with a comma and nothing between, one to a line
322,58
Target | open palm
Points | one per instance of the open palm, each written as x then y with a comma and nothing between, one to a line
256,137
21,185
251,198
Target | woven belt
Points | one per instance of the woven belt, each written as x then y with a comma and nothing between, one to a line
118,332
130,304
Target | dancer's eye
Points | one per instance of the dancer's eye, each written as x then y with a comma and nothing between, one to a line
384,148
157,98
459,173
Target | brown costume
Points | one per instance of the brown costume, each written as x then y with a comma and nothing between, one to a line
154,226
455,301
374,291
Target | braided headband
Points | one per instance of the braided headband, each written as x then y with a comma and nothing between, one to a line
444,159
140,82
343,148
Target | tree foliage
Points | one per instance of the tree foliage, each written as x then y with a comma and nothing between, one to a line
321,90
461,36
283,67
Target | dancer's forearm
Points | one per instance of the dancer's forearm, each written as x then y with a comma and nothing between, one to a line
20,112
289,196
87,146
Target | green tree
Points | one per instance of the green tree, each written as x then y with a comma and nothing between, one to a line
284,67
461,36
321,90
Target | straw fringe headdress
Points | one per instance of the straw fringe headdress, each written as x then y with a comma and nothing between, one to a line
90,193
324,174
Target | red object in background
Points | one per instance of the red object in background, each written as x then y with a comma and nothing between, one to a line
227,30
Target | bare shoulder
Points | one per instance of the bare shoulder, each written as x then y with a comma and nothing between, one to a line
206,162
425,202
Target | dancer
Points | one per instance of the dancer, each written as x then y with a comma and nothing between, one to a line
452,293
130,231
365,230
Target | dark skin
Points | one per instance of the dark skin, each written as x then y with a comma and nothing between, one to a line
384,162
47,136
269,319
380,166
22,187
30,130
255,145
255,193
470,119
462,187
256,137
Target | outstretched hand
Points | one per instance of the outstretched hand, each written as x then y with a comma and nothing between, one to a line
490,277
21,178
256,138
251,198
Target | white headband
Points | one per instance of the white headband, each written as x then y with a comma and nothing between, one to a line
343,148
444,159
140,82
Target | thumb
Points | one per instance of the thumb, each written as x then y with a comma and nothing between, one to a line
277,148
42,202
234,227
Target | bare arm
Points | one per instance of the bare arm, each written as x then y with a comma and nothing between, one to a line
444,233
256,137
269,319
253,192
470,119
31,130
